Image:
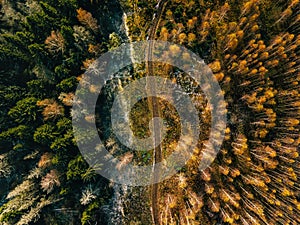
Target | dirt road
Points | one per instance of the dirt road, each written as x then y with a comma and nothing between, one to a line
153,104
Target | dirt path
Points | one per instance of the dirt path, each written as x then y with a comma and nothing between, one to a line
153,104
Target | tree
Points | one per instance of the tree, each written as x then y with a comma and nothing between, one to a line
25,111
55,43
87,19
52,109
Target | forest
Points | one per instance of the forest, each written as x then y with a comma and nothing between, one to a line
252,50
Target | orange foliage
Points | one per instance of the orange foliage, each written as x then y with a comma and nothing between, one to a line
87,19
